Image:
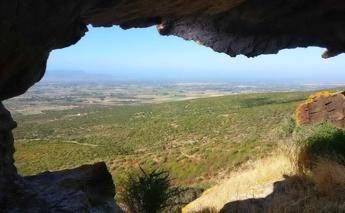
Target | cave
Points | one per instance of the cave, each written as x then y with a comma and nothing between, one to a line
31,29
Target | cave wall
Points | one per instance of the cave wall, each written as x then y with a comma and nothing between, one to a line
8,171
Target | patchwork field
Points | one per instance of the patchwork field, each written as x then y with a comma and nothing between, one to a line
198,141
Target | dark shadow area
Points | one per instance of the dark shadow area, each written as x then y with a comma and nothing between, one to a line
293,194
88,188
254,102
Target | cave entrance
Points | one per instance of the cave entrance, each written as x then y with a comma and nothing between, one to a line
109,98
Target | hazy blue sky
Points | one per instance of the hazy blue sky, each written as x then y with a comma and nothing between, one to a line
144,54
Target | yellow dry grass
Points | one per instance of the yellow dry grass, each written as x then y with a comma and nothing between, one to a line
253,182
328,175
256,180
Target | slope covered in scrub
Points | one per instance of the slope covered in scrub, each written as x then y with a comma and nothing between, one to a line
306,174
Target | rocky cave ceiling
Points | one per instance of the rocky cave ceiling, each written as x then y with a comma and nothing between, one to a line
30,29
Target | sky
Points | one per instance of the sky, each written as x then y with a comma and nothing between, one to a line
144,54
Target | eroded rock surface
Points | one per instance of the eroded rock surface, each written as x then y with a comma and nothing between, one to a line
88,188
320,108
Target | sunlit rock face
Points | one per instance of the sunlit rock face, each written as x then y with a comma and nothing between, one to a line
31,29
323,107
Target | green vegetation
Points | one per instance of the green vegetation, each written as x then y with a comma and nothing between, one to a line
196,140
308,165
149,192
318,143
286,128
323,140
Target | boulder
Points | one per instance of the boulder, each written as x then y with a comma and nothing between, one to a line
321,107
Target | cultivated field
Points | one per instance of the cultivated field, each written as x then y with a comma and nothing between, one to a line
199,141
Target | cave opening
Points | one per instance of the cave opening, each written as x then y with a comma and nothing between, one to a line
111,67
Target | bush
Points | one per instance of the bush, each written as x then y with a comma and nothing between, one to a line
285,127
149,192
326,140
320,141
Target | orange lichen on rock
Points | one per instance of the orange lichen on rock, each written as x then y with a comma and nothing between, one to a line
321,94
322,106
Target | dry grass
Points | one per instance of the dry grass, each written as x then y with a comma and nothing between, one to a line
328,175
206,210
254,182
322,189
285,186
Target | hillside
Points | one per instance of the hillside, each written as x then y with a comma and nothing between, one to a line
306,173
199,141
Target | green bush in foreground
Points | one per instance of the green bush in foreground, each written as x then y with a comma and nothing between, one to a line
320,141
149,192
326,140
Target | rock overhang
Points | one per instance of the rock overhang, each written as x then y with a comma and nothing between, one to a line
31,29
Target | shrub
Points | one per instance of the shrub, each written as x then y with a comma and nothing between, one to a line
149,192
285,128
326,140
320,141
